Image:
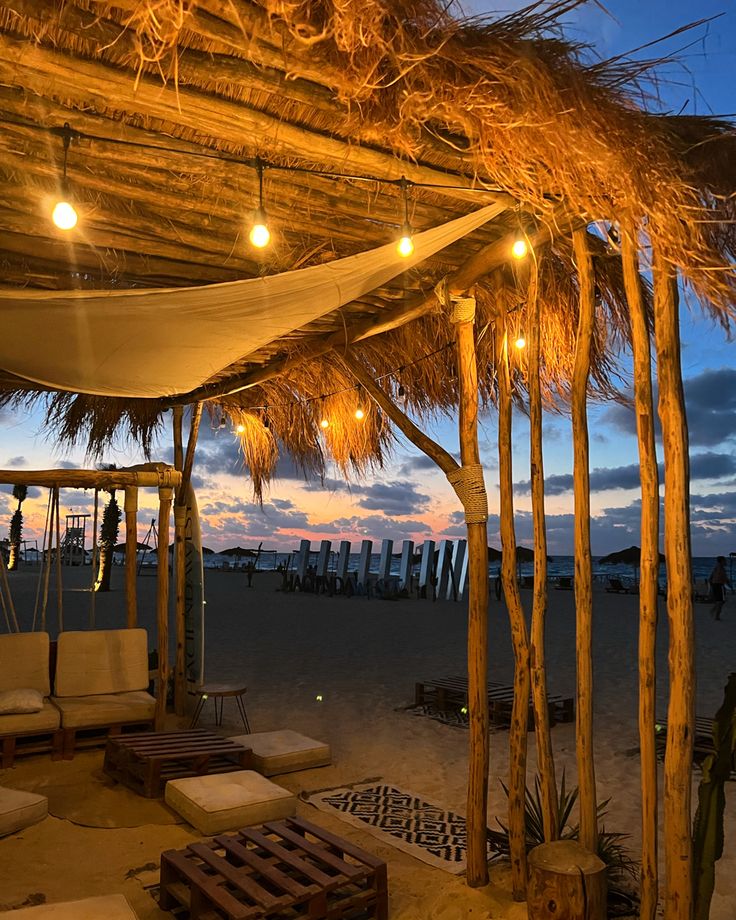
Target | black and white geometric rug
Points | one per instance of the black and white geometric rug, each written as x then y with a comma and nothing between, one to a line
404,820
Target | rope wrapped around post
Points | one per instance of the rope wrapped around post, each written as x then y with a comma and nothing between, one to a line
461,308
467,481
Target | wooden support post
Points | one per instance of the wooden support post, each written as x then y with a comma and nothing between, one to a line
649,578
131,554
520,712
681,710
184,464
477,864
583,561
165,495
59,585
545,755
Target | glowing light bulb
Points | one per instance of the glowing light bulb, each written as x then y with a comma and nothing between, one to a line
64,216
360,414
405,246
318,697
520,342
519,249
324,423
240,428
260,235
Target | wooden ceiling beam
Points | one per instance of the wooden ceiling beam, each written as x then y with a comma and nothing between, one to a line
85,83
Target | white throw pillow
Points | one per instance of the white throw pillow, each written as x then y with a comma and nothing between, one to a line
16,702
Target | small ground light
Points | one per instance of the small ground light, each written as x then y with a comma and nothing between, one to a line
520,342
318,697
464,710
519,249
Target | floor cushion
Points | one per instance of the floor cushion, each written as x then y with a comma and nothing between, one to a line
226,801
20,809
108,907
284,751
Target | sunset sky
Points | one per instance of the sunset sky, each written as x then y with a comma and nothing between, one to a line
410,498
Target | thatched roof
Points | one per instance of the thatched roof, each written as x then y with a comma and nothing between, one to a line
379,89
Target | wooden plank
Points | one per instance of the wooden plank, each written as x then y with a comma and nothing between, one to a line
192,873
321,878
312,849
240,878
270,871
344,845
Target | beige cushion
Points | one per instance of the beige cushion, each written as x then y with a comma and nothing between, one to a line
23,700
284,752
226,801
20,809
109,907
24,662
101,661
47,720
105,709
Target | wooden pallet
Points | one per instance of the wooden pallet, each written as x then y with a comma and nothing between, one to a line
146,762
285,869
446,693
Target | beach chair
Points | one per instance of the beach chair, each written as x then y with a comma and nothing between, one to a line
564,583
616,586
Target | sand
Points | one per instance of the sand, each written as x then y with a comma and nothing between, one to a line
362,658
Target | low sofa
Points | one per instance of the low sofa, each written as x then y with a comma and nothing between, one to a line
24,666
100,682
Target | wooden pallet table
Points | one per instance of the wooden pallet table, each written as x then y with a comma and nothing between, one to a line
146,761
448,693
285,869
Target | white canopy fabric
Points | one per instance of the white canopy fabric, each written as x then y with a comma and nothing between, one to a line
151,343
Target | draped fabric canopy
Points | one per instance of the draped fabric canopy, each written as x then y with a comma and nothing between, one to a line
153,343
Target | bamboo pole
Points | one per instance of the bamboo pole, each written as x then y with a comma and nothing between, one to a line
7,597
165,495
94,561
47,576
185,464
649,578
105,480
477,808
681,709
59,587
583,562
131,555
477,871
518,730
545,755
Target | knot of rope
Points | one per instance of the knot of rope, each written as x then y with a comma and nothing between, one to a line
467,481
460,309
166,477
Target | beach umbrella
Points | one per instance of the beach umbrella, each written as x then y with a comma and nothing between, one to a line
120,547
238,551
629,556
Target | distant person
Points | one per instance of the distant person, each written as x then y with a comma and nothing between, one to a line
718,581
249,570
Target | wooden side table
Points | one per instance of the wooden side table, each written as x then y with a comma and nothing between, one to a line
217,693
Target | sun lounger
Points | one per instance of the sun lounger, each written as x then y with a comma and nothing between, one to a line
564,583
616,586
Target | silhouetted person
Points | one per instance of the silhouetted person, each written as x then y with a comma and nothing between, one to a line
718,581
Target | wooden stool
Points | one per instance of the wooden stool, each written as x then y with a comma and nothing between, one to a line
219,692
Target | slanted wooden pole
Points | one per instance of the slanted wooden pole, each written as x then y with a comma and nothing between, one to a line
681,710
94,561
180,522
59,585
583,562
165,495
545,755
519,727
477,871
131,554
649,579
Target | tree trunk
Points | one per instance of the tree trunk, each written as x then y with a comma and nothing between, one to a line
583,562
681,710
518,730
104,567
13,557
649,579
566,882
545,755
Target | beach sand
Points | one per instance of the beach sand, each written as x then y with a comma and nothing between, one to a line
362,657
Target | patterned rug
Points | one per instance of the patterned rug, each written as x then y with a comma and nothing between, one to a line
403,820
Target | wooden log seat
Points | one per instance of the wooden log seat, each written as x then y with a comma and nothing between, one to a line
566,882
111,907
24,665
19,810
223,801
100,683
284,751
288,868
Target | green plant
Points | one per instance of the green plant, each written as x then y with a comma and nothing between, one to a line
108,538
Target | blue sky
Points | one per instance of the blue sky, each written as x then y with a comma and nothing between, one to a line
410,498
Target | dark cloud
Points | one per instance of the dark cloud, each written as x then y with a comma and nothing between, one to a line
421,464
395,498
15,462
710,399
